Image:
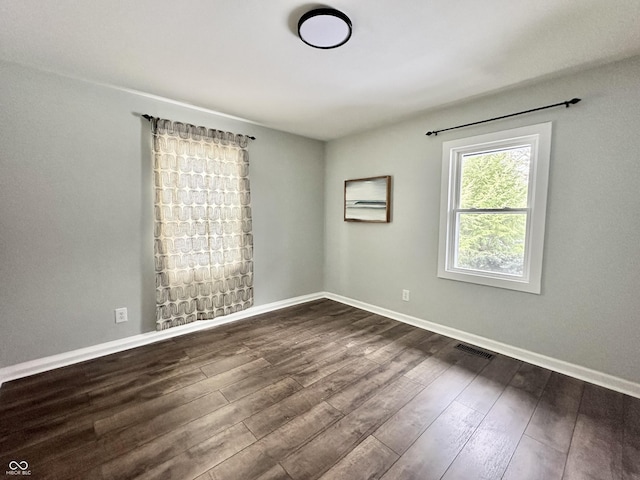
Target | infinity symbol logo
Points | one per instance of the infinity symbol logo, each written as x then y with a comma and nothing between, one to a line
13,465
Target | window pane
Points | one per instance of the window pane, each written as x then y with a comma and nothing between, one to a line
496,179
491,242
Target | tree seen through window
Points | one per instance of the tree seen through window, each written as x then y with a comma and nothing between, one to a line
492,211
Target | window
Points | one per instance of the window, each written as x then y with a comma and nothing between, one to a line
493,205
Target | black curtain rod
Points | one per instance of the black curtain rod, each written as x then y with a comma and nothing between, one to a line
567,104
149,117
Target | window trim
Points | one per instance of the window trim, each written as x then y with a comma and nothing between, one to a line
539,137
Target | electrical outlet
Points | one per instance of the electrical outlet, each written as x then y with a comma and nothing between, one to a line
121,315
405,295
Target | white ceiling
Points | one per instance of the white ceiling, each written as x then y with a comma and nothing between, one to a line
243,57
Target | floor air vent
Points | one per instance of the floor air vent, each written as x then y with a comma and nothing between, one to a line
475,351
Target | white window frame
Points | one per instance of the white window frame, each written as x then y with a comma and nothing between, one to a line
539,138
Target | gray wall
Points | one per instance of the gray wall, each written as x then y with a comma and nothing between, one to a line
589,310
75,212
75,223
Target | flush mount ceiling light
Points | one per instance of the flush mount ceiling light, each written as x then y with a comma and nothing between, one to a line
324,28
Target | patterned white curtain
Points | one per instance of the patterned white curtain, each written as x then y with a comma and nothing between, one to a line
202,225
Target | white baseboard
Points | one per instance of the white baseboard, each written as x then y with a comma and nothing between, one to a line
40,365
588,375
68,358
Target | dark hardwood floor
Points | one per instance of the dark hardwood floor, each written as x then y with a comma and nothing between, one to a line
320,390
